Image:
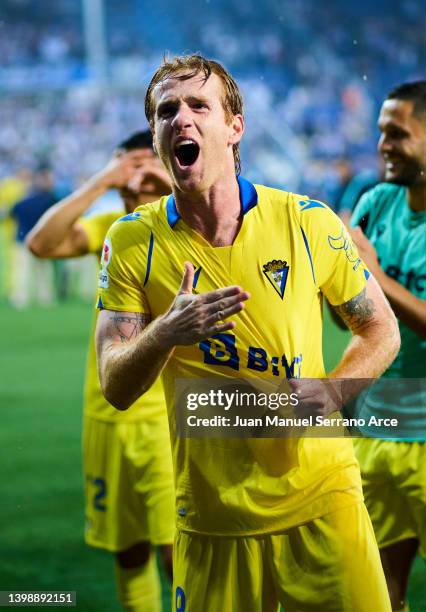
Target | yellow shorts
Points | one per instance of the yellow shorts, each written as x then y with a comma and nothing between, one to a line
394,484
128,484
330,564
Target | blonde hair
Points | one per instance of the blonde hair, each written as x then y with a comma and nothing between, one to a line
185,67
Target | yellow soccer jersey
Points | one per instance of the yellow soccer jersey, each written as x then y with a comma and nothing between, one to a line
289,251
12,189
95,405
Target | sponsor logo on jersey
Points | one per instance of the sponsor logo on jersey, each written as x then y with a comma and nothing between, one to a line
276,271
416,283
222,350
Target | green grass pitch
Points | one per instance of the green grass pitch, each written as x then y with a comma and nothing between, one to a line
41,503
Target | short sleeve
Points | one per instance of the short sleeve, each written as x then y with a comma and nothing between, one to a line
362,210
339,272
123,266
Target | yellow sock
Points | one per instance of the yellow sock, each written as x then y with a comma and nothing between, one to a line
139,588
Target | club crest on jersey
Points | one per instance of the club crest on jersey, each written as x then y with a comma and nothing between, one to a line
276,271
105,259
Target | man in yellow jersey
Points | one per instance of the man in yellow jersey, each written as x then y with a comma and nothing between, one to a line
12,190
127,458
259,521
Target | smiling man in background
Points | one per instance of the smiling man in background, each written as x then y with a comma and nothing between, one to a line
393,245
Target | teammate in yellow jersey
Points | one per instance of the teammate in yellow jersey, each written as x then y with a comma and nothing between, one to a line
12,190
127,458
260,521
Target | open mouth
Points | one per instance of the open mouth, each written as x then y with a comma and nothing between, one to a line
187,152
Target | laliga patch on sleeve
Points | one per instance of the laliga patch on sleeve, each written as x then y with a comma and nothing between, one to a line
103,279
105,260
106,253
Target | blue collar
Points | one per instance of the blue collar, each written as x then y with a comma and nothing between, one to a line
248,199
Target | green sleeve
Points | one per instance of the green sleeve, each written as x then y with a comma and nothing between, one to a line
363,208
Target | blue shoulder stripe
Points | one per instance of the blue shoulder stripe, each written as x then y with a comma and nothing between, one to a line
130,217
305,240
307,204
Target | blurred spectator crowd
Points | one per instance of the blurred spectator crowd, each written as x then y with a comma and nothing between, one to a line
313,76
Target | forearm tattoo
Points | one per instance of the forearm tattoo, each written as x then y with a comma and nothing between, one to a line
129,326
357,312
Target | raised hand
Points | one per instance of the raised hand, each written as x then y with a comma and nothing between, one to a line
150,179
192,318
317,397
120,171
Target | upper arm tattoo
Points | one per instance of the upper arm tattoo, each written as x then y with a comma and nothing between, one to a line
129,326
358,311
